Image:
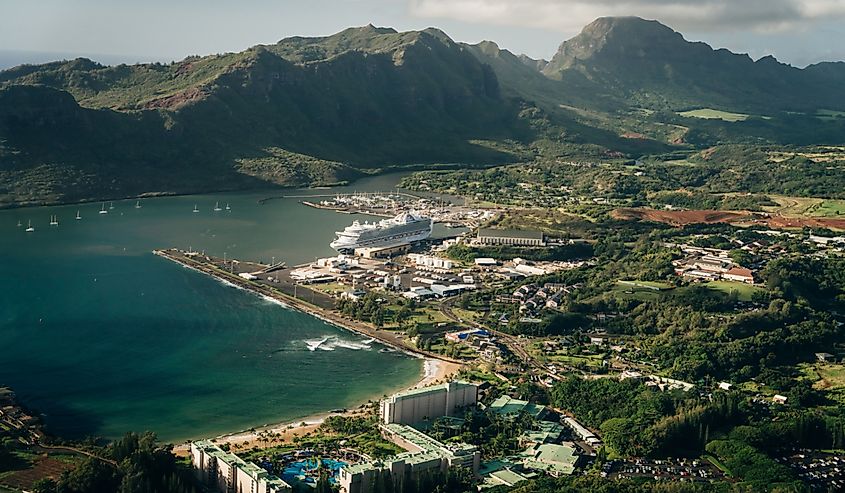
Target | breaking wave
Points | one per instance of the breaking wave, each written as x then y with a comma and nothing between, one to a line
330,343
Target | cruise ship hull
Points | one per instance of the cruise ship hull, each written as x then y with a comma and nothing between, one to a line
384,238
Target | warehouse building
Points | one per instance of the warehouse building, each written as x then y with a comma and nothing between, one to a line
516,237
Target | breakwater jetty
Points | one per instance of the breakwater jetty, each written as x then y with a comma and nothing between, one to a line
282,289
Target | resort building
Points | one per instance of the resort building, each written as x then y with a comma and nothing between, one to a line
516,237
508,406
423,454
428,403
555,460
227,473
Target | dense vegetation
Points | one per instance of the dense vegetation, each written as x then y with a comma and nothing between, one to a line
315,111
133,464
709,179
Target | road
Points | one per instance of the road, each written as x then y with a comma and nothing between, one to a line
512,343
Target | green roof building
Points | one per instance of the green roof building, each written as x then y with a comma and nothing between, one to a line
555,460
507,406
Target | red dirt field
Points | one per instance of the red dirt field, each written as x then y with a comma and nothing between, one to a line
44,467
741,218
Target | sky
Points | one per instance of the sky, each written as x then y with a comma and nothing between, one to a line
798,32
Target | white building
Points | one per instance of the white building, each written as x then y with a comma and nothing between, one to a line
517,237
583,433
227,472
427,403
431,261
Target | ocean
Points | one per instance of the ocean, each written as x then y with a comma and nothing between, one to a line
103,337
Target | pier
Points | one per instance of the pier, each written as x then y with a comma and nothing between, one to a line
290,293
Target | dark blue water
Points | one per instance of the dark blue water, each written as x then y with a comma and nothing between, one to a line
103,337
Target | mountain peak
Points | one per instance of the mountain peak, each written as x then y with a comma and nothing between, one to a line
615,37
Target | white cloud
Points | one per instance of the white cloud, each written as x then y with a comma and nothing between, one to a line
699,15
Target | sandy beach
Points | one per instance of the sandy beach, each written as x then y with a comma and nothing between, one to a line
434,371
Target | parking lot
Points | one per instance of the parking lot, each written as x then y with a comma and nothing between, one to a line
667,469
821,471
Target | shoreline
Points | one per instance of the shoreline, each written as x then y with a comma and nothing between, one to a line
435,367
273,294
272,434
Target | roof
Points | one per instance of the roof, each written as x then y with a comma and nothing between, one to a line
507,477
443,387
506,405
740,272
254,471
557,459
510,233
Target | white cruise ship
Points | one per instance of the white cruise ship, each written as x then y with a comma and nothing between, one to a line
404,228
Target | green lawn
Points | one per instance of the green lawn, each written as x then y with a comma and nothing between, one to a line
468,315
744,291
429,315
639,293
593,361
828,208
711,114
826,377
653,285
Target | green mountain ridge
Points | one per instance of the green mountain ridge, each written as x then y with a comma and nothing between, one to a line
658,68
321,110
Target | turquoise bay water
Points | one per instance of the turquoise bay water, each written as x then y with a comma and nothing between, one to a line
103,337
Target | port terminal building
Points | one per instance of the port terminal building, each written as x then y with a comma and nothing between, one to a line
419,405
225,472
516,237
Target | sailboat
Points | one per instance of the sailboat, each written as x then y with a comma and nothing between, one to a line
217,207
19,223
78,217
54,220
103,210
227,207
138,204
111,205
195,208
29,228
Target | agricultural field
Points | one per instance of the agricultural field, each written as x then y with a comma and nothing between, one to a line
37,467
806,206
711,114
827,377
818,154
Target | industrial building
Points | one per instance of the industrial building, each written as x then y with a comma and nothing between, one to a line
516,237
419,405
431,261
226,472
